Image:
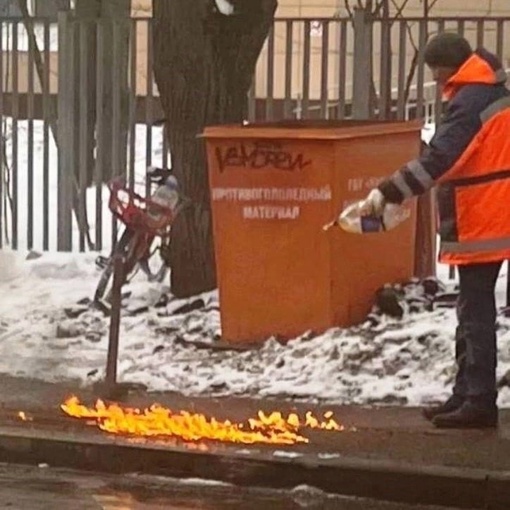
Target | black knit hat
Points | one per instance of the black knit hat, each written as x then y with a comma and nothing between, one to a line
447,49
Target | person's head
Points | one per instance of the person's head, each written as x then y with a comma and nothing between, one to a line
445,53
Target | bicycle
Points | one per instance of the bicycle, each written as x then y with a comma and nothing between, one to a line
144,220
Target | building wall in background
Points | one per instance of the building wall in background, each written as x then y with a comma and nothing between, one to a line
312,8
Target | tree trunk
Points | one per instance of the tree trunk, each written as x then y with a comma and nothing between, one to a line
204,65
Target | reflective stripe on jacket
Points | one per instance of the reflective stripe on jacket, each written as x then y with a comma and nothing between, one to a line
469,157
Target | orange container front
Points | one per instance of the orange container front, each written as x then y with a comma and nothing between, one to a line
273,187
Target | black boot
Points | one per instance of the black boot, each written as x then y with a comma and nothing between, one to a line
468,416
452,404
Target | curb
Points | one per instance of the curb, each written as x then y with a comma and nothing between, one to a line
378,480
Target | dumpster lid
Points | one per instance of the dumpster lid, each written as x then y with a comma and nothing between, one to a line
313,129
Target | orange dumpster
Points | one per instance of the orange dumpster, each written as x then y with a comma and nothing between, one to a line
273,187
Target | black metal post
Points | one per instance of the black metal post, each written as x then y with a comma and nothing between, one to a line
116,303
109,388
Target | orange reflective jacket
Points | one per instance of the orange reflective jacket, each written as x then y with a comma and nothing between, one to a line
469,157
476,188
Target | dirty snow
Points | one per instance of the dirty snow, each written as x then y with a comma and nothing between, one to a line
45,332
407,361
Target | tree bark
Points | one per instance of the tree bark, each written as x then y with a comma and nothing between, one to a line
204,65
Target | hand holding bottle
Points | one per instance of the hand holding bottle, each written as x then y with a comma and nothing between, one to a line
373,204
370,215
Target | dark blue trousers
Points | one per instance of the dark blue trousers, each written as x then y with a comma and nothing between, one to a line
475,349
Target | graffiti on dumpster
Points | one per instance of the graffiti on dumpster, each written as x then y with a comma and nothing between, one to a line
261,155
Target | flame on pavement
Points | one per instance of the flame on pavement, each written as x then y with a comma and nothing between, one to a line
158,421
24,416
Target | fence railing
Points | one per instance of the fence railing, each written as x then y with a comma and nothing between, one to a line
71,118
341,67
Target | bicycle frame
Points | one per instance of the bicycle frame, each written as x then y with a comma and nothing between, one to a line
133,210
144,220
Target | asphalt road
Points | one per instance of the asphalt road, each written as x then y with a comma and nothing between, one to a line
43,488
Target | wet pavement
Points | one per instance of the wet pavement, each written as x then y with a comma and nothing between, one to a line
383,453
396,434
43,488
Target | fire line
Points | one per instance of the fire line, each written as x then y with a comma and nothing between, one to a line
160,422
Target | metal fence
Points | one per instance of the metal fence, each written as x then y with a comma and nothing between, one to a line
338,68
78,101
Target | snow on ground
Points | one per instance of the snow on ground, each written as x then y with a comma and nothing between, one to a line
44,333
408,361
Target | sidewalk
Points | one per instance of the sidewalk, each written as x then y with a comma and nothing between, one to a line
393,453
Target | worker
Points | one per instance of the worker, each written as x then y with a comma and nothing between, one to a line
468,159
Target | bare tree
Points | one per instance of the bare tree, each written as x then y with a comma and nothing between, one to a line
390,11
205,59
399,10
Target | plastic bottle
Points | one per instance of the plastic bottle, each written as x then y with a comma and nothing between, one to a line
352,221
167,195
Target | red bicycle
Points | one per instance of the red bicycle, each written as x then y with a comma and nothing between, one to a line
144,220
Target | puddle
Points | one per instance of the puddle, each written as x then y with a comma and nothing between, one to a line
29,488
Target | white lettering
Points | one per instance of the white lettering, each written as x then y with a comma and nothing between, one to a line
323,194
360,183
283,200
355,184
268,212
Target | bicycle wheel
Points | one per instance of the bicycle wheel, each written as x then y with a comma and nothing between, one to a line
157,270
124,247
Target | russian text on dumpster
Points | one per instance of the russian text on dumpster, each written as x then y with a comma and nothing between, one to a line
273,203
279,203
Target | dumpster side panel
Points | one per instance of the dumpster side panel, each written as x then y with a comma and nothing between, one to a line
270,199
363,263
